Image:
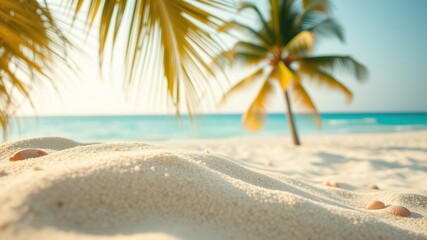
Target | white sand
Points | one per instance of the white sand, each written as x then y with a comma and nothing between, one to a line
224,189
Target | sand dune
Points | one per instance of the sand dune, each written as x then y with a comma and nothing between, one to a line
134,190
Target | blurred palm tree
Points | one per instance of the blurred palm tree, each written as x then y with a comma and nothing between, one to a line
30,44
167,42
280,52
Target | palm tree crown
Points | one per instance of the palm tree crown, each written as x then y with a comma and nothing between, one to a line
281,52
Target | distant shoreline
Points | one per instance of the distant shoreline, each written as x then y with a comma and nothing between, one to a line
165,127
221,114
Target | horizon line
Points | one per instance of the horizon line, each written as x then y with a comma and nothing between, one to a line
219,114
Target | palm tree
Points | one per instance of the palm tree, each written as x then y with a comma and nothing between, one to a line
30,44
168,42
280,52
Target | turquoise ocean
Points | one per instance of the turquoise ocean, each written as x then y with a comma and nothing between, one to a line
164,127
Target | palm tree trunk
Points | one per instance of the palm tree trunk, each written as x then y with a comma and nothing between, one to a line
290,116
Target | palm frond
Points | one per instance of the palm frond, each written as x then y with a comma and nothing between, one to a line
243,84
324,79
242,53
248,53
178,33
316,5
30,44
242,46
254,118
308,19
275,18
288,14
345,64
301,44
328,28
302,98
284,75
223,59
247,59
265,26
256,36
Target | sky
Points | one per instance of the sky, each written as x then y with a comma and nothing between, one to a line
388,36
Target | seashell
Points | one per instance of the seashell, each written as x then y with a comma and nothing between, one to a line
27,153
334,184
331,184
375,205
37,168
399,211
373,186
268,164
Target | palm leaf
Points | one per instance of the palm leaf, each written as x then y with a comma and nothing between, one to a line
284,75
323,78
30,43
243,84
265,25
247,59
316,5
245,53
275,15
337,63
286,20
303,98
254,118
248,53
328,28
223,59
301,44
242,46
177,33
259,37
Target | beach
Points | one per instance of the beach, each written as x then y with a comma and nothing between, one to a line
228,188
213,119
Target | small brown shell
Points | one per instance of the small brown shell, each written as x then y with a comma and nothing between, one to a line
372,205
373,186
27,153
399,211
268,164
331,184
37,168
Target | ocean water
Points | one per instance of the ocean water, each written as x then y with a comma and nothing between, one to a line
163,127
